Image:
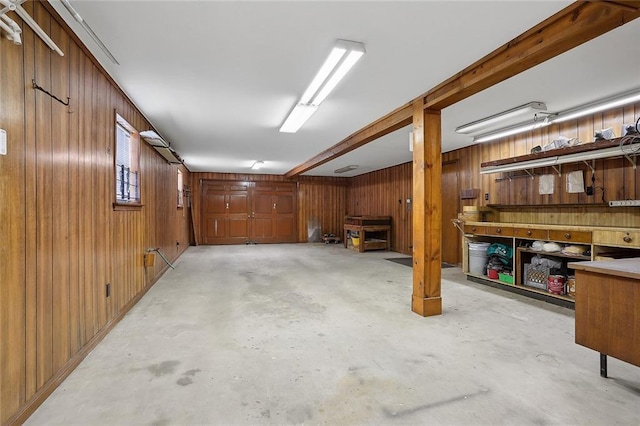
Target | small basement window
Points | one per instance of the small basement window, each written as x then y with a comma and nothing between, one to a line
127,164
180,190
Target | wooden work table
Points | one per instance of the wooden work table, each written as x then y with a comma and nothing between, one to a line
608,309
371,225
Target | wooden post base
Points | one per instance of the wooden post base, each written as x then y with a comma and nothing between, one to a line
426,307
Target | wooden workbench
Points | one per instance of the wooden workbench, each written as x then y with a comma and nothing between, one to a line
608,309
378,228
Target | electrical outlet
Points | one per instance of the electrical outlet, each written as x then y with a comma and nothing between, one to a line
589,190
624,203
486,196
108,289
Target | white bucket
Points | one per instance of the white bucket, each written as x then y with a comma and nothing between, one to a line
478,257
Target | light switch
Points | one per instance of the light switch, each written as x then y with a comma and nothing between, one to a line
3,142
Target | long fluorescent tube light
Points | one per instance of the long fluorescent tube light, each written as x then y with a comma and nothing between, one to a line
257,165
598,106
329,65
298,116
89,31
342,58
510,131
543,162
501,117
345,169
338,75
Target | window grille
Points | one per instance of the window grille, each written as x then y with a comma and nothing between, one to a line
127,178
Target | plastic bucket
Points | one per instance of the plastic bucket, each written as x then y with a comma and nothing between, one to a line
478,257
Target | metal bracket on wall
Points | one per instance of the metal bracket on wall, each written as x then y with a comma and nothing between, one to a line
591,166
40,88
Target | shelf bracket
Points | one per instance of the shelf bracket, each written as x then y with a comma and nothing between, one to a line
631,160
530,173
592,167
558,169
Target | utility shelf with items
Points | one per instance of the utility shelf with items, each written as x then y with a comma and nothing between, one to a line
574,244
533,269
477,239
538,269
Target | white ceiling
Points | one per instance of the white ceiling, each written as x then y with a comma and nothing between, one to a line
217,79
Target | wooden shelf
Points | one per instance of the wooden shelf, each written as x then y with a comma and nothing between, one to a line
524,288
585,147
546,293
553,254
484,277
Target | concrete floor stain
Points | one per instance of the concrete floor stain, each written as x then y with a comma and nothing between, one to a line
164,368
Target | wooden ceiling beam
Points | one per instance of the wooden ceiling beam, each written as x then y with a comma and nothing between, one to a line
572,26
391,122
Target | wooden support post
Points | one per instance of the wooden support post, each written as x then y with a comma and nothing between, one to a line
427,211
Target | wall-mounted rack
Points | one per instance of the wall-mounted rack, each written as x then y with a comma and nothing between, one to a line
627,146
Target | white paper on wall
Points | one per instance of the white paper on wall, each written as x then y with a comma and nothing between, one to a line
546,184
575,182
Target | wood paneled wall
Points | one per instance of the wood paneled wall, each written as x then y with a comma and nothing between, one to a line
321,201
615,179
62,240
385,193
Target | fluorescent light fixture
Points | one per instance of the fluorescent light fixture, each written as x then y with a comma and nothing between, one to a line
329,65
298,116
257,165
511,131
342,58
338,75
602,105
346,169
592,108
88,29
542,162
153,139
502,117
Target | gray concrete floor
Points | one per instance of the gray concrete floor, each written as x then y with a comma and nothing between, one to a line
316,334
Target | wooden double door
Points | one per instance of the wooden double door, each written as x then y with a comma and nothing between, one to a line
237,212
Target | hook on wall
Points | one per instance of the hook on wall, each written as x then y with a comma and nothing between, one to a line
35,86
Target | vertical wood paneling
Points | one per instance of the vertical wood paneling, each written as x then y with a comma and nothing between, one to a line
44,208
59,187
63,239
74,199
31,289
385,193
12,229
